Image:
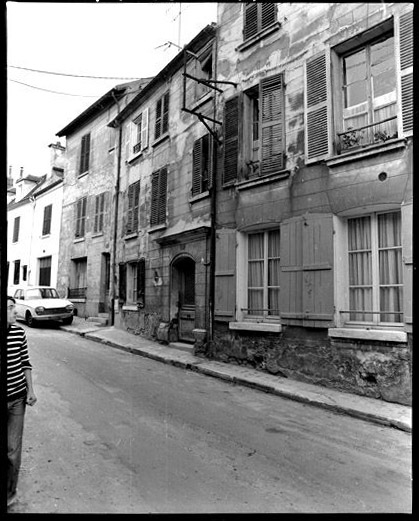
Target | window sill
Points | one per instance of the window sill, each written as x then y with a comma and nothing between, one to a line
97,234
368,334
249,183
199,197
79,239
255,326
160,139
129,236
259,36
157,228
129,307
77,299
362,153
134,157
111,149
83,174
46,236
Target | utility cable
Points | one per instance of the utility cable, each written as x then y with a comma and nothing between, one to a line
54,91
72,75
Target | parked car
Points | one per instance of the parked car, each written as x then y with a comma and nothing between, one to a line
42,303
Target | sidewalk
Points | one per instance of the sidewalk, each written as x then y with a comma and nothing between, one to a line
369,409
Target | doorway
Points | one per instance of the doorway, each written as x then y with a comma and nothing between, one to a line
183,297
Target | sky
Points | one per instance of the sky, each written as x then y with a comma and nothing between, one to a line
120,41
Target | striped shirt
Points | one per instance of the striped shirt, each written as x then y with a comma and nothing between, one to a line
17,361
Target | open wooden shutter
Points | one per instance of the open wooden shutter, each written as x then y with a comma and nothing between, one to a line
316,108
268,14
157,129
231,139
136,206
141,282
165,124
144,129
122,282
307,296
250,20
407,249
85,153
130,221
406,71
46,229
225,275
272,124
197,166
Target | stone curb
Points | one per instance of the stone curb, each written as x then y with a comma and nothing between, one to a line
181,361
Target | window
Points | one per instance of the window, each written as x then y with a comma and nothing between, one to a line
16,227
16,274
158,197
45,271
162,116
263,262
201,165
133,207
136,282
375,269
369,104
139,133
99,213
85,154
258,16
46,227
24,272
81,206
78,278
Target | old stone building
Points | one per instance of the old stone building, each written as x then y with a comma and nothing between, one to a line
164,176
87,217
313,274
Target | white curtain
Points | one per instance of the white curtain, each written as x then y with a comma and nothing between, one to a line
273,272
255,273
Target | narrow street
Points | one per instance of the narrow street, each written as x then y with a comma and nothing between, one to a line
113,432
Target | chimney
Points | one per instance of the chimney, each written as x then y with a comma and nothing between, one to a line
21,172
57,158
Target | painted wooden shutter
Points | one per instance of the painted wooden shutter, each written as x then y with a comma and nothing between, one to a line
16,229
162,195
158,197
46,229
122,282
406,70
165,123
225,275
157,130
306,296
136,206
272,124
85,153
96,227
231,139
407,249
250,20
316,105
268,14
197,166
141,281
144,129
83,226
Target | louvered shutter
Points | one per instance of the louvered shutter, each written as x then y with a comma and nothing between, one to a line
136,206
272,124
197,167
141,282
85,153
157,130
406,71
122,282
102,210
83,216
231,139
268,14
96,227
165,123
316,105
144,129
162,196
130,212
154,198
78,217
225,275
46,229
211,159
16,229
407,251
250,20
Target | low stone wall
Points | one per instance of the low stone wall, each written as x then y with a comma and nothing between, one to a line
140,323
374,369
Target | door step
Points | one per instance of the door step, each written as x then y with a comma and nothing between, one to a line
98,321
182,346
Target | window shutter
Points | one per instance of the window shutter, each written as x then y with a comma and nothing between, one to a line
157,130
46,229
197,167
130,221
16,229
407,249
96,214
316,105
165,124
85,153
250,20
78,217
102,210
144,130
268,15
225,276
141,281
122,282
272,124
406,70
136,205
83,219
231,139
162,196
154,198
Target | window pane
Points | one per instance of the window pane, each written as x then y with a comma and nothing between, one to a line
273,301
255,301
255,246
355,93
389,230
359,233
355,68
391,299
360,299
255,274
383,83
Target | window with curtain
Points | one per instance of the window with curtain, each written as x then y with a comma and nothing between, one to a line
375,268
263,263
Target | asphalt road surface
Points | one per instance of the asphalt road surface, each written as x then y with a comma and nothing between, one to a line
114,432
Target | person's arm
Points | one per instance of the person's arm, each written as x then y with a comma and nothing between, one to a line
30,398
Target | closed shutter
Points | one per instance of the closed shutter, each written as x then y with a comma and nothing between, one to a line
46,229
141,282
272,124
96,225
268,14
80,217
162,195
197,166
165,123
144,129
250,20
129,226
102,210
306,296
83,227
231,139
85,153
158,197
225,275
406,71
316,108
122,282
16,229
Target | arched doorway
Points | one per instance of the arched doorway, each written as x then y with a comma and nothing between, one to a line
183,296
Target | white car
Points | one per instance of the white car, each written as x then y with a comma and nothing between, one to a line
37,303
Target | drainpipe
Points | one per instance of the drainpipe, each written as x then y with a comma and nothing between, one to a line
115,217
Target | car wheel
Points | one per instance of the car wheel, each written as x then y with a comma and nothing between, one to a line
67,321
30,320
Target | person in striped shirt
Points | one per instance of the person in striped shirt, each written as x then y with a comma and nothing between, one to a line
19,394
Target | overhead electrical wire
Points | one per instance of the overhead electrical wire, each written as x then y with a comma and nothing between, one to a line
54,91
72,75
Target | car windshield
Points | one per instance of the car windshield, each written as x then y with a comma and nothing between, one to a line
41,293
